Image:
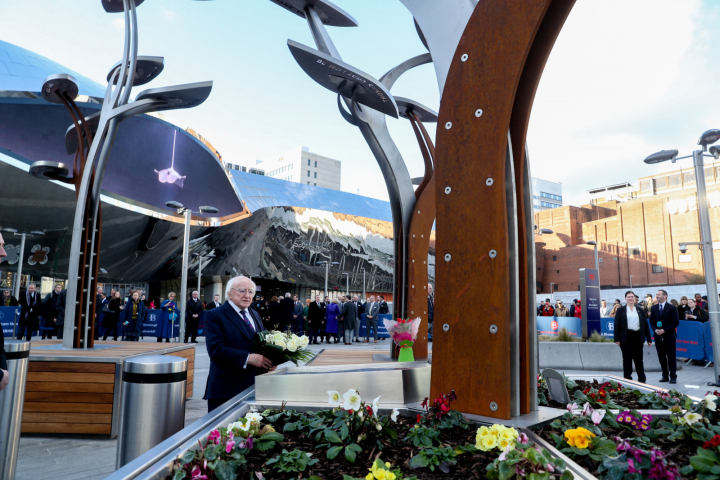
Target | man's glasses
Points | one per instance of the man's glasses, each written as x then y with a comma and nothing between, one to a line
244,291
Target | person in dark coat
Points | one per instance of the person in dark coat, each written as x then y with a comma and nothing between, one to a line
261,306
171,308
194,307
694,313
214,304
683,307
288,306
132,318
275,315
631,330
348,312
32,308
383,305
51,313
316,317
229,335
60,309
112,316
8,300
4,376
665,320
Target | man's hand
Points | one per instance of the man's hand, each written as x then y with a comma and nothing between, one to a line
5,380
649,343
617,343
294,316
273,369
54,320
660,331
195,316
259,361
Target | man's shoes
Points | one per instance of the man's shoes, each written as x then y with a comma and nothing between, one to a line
195,341
663,380
673,381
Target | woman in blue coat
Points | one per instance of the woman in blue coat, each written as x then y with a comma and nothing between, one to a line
132,317
171,307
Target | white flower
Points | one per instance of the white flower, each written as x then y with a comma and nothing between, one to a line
378,426
691,418
335,399
304,341
352,400
234,425
292,345
375,405
597,416
294,337
360,414
394,414
710,402
242,424
587,410
280,342
270,338
253,417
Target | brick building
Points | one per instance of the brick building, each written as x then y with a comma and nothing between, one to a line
638,238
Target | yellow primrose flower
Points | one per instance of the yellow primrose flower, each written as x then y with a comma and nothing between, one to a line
508,435
581,441
487,443
387,464
481,432
497,429
381,474
390,475
369,476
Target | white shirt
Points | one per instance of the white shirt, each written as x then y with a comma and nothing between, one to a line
247,314
633,321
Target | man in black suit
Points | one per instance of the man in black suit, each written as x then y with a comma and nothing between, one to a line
60,310
260,306
286,307
664,321
383,305
348,311
4,375
297,317
316,317
8,300
31,308
214,304
99,297
229,334
51,312
194,307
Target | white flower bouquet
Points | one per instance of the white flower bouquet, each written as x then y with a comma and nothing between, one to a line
281,347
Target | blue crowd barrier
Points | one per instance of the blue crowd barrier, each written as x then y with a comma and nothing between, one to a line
708,342
551,325
7,320
690,341
382,331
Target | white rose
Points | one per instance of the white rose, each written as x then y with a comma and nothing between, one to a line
295,337
304,341
378,426
292,345
280,343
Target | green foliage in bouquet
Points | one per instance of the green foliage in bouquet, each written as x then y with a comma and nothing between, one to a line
282,347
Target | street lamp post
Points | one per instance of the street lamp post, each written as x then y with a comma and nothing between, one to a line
631,282
707,138
364,293
181,210
200,260
552,292
327,265
347,284
597,262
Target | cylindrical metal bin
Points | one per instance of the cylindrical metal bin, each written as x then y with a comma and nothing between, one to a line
153,403
11,405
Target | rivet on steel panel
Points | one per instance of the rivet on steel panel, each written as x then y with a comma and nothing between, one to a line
493,254
493,329
446,327
478,112
493,406
448,190
447,257
448,125
464,57
489,182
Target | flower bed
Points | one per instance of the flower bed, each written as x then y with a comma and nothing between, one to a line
681,444
354,440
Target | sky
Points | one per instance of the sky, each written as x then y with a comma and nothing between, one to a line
626,78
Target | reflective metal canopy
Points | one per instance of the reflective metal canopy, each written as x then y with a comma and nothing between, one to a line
62,83
405,105
146,70
71,139
116,6
339,77
47,170
330,14
179,96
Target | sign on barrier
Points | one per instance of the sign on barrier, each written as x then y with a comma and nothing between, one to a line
382,331
552,325
690,342
7,320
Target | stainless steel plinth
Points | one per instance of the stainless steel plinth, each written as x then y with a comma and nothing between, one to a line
309,385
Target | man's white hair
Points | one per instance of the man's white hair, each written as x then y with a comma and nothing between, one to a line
234,280
195,291
287,295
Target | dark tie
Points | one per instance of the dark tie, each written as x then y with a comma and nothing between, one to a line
246,320
661,308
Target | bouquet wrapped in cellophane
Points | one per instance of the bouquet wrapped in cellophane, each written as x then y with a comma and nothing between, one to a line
403,332
282,347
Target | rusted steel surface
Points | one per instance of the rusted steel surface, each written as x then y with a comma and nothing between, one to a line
472,286
545,38
419,240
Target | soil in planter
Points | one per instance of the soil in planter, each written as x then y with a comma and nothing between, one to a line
469,466
627,400
678,452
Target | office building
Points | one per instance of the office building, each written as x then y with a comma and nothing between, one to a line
302,166
546,194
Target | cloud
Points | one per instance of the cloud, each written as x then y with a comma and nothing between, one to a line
118,24
168,14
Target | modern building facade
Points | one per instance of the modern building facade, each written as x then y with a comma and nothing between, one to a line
546,194
302,166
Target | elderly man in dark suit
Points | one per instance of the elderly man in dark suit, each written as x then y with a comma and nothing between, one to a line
371,318
286,307
31,309
194,307
214,304
229,334
297,323
4,375
349,314
664,320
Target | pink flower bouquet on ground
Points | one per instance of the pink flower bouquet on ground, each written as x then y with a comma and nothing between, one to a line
403,332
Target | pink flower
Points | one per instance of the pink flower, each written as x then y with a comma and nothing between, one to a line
631,466
504,453
247,443
550,468
230,435
196,474
522,438
229,446
214,436
598,416
572,406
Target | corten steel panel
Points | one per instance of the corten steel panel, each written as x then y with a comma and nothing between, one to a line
472,218
545,38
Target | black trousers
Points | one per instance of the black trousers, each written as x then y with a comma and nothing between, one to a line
666,355
214,403
632,351
191,327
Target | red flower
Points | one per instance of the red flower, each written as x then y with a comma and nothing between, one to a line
600,400
585,392
444,408
425,402
419,418
712,443
602,393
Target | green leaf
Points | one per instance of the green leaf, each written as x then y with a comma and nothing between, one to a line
355,447
333,452
580,451
187,457
701,464
290,427
210,454
264,445
274,436
709,454
225,471
332,436
350,455
687,470
427,441
179,475
419,461
344,431
505,471
715,469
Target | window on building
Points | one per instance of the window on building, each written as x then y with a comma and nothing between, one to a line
538,198
661,182
709,173
308,162
634,251
551,196
558,271
316,164
308,183
554,258
658,269
674,180
688,178
308,173
646,186
549,205
315,174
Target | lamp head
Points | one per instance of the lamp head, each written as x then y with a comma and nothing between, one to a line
209,209
715,151
10,230
37,232
174,204
709,137
591,242
546,231
661,156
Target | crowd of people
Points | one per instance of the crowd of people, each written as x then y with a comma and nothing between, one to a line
692,309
